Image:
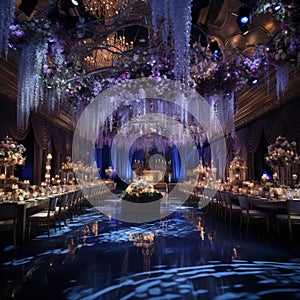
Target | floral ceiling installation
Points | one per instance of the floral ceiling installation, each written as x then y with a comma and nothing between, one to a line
282,50
60,52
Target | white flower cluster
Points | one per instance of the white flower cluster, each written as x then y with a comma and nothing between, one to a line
140,186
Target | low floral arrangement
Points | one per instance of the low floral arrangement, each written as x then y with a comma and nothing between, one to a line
282,153
237,164
68,165
140,191
11,152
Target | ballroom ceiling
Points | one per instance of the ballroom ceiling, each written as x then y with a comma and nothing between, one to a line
218,18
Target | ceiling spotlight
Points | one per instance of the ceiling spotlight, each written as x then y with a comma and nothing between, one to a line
244,28
243,15
276,7
214,48
253,81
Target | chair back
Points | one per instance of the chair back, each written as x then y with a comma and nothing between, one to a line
218,196
64,200
244,202
227,199
8,211
210,193
52,204
223,196
293,206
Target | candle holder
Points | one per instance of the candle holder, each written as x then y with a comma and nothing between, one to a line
48,169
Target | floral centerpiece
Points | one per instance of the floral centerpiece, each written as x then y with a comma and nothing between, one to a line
140,191
11,152
283,158
68,165
237,169
282,153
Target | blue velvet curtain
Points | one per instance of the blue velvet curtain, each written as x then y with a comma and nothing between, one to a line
176,163
122,161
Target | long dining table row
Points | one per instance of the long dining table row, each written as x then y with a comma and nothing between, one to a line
69,203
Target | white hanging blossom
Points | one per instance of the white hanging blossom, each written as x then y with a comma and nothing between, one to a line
224,110
178,14
282,78
30,82
7,8
181,19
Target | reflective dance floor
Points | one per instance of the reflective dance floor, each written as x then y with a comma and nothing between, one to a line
189,255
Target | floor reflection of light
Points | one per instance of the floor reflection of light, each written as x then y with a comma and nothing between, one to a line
235,253
71,246
95,228
144,241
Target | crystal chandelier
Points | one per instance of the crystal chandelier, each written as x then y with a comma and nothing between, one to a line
107,9
110,52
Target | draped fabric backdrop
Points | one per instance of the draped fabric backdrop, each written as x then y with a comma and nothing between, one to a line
48,138
283,121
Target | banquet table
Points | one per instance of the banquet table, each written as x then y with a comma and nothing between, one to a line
25,209
268,203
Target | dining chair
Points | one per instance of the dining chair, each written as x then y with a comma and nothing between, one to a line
209,198
216,205
71,204
45,217
222,205
62,209
231,208
251,215
8,219
292,217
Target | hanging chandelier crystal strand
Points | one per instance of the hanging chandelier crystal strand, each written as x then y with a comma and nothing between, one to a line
282,78
7,8
223,108
178,13
30,83
159,10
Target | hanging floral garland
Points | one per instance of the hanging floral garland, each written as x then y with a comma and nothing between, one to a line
49,70
7,15
282,50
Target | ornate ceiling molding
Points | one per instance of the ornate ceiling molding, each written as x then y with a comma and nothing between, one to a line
254,102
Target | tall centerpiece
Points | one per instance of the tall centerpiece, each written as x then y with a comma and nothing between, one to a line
11,154
283,158
237,169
